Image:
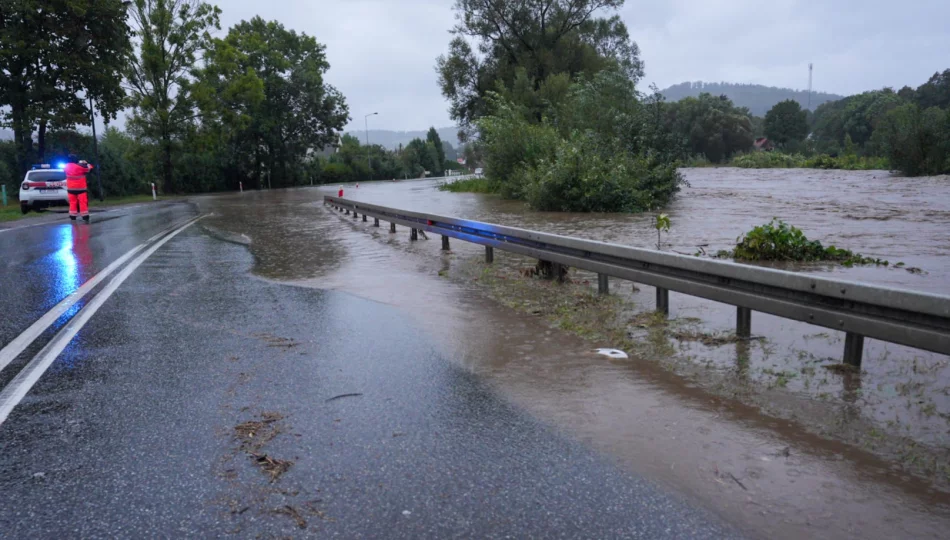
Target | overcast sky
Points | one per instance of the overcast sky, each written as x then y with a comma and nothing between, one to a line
382,52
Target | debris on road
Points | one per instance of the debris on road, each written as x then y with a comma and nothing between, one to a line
612,353
341,396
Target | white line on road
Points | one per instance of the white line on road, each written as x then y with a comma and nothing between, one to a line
14,392
21,342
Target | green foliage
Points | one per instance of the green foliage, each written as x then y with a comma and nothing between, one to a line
710,126
855,116
661,224
53,56
779,241
511,144
768,160
781,160
584,175
916,141
529,51
469,185
172,34
786,123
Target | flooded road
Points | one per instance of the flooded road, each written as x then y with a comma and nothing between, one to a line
773,476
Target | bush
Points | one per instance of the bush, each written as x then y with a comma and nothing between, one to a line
335,173
585,176
779,241
768,160
469,185
512,144
916,141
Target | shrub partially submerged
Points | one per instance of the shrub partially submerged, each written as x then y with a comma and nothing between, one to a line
779,241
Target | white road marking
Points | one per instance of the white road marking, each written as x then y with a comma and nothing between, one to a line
14,392
21,342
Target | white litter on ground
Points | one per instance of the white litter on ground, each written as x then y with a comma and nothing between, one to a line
612,353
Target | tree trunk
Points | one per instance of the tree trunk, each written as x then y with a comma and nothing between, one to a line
23,138
167,183
41,141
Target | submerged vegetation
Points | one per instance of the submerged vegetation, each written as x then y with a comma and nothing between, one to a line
779,241
781,160
469,185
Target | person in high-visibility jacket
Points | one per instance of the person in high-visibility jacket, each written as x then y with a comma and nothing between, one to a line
76,171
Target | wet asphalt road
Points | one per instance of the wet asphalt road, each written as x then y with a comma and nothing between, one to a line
131,432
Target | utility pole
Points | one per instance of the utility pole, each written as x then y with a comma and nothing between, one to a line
369,165
95,145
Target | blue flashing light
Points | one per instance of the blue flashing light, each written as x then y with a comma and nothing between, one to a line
61,165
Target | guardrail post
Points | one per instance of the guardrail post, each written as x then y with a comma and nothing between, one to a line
364,218
392,228
743,322
376,222
853,349
347,211
413,234
445,243
489,254
355,215
603,283
663,300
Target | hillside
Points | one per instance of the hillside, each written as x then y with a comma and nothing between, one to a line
758,98
392,139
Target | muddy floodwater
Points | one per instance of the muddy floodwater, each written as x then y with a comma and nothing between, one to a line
810,452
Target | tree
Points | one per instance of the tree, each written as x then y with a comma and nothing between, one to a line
299,110
935,92
916,141
541,39
433,139
171,34
786,123
55,56
710,126
856,116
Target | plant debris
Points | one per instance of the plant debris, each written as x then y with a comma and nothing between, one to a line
272,466
341,396
294,514
842,368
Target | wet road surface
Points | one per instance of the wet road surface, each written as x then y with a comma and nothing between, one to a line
770,474
201,401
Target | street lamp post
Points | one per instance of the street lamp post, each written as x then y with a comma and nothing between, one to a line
95,145
366,132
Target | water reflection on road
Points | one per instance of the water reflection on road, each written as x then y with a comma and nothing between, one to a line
722,452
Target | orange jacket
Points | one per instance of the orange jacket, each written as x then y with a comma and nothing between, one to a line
76,176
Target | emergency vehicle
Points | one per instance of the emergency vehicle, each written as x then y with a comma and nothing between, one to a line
42,187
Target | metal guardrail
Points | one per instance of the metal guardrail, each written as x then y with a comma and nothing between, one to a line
915,319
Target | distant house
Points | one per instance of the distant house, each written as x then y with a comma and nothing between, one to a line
762,143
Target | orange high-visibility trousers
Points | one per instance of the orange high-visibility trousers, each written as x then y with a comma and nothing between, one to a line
78,203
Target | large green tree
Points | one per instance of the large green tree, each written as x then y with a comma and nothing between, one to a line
432,137
496,41
855,116
710,125
54,56
299,110
171,34
786,123
915,140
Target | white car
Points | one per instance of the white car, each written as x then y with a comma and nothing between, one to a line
42,187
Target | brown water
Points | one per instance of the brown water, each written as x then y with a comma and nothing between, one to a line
653,422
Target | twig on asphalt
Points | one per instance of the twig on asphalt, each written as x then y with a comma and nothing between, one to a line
738,482
343,396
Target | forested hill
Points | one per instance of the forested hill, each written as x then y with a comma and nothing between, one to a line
392,139
758,98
